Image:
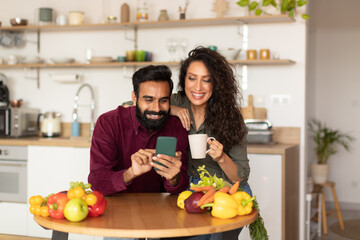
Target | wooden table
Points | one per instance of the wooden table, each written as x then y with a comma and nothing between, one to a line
146,215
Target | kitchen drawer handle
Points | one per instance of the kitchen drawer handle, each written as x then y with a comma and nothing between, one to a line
13,164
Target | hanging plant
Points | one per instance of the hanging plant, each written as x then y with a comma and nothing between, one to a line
285,6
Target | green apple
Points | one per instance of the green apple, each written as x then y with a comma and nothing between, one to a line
76,210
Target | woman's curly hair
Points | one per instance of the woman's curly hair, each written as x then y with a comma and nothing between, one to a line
222,116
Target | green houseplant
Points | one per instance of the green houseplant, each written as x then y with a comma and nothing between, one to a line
326,142
285,6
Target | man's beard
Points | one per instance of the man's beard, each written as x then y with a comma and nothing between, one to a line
151,124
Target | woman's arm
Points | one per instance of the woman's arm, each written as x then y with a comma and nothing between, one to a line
183,114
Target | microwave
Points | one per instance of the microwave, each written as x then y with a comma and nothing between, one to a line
19,122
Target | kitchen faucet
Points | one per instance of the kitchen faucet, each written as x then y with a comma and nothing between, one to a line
92,107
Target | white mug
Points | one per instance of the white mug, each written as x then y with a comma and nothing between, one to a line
61,20
12,59
198,145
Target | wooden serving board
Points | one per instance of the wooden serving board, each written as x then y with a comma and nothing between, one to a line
251,112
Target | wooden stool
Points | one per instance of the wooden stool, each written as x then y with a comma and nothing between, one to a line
320,189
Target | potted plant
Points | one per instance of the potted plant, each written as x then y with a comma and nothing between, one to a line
326,142
284,6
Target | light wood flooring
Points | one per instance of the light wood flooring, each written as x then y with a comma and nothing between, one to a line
15,237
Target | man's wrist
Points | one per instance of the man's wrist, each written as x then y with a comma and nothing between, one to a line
175,180
128,175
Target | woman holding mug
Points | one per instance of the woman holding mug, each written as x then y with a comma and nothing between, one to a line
208,103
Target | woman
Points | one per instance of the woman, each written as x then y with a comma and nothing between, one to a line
208,102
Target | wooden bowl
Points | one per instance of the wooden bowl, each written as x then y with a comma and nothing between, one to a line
18,22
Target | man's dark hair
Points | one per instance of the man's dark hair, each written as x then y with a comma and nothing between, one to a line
159,73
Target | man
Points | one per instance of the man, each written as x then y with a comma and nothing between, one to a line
123,145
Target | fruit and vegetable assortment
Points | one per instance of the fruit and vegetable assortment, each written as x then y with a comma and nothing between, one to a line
223,199
75,204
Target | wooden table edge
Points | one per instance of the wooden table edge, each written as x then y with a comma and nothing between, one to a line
57,225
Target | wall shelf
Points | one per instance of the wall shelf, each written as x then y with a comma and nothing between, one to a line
139,64
156,24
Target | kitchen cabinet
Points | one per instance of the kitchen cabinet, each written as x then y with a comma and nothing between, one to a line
148,25
274,180
13,218
50,170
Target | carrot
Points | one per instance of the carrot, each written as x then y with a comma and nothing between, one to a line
208,197
224,189
234,188
201,189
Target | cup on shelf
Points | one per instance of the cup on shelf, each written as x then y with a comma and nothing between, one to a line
251,54
148,56
130,56
121,58
264,54
139,56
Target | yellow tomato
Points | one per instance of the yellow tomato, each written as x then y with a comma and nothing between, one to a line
36,200
182,197
44,211
79,192
90,199
70,194
37,210
32,209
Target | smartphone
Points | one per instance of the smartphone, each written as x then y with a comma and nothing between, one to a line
166,145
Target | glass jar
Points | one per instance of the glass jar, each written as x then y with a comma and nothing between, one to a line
142,13
163,15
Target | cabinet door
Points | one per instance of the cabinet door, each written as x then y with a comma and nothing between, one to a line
50,170
13,218
266,183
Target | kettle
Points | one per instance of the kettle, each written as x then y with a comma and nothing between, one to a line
50,125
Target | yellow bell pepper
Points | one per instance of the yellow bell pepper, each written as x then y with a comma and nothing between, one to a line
224,206
182,197
244,201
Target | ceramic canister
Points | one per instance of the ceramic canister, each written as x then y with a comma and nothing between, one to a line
76,18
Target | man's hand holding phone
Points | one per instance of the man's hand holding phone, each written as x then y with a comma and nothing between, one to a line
167,163
168,167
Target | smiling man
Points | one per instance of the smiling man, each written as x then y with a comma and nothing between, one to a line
123,145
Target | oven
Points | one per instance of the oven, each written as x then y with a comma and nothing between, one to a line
13,174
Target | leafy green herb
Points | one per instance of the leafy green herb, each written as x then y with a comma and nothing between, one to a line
257,228
208,180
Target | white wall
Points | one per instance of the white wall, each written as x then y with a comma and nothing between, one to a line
335,87
113,86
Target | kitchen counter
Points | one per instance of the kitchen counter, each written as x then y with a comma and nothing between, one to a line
39,141
276,148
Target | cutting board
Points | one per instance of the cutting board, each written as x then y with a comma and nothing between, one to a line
251,112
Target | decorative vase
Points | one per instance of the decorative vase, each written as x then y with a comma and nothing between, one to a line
125,13
319,173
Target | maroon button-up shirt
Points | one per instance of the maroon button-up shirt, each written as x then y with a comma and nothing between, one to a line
118,134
